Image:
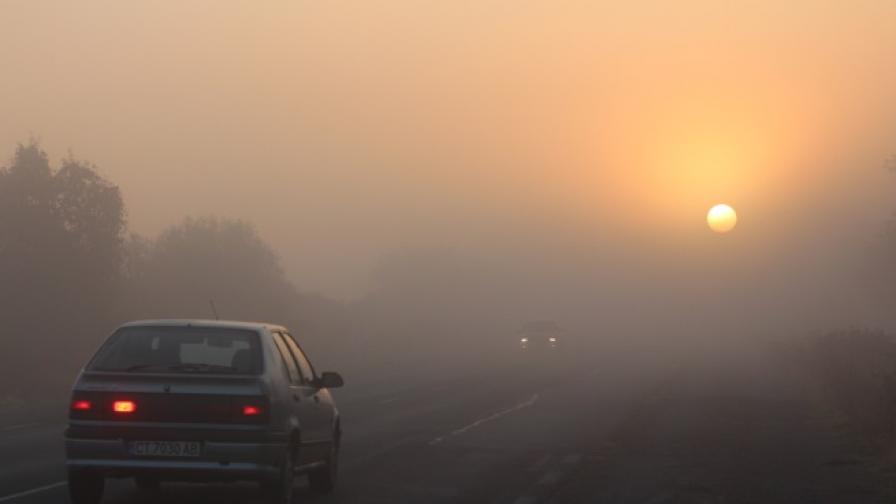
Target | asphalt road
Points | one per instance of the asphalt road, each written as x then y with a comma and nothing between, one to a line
577,431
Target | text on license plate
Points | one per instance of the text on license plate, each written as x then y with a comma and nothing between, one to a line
165,448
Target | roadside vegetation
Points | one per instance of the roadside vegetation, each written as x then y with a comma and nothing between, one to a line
857,373
71,270
856,368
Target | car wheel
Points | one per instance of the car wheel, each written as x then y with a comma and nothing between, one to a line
323,480
85,487
147,483
280,491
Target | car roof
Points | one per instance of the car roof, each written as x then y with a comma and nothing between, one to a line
222,324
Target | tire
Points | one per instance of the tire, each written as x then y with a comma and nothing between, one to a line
323,480
147,483
85,487
280,491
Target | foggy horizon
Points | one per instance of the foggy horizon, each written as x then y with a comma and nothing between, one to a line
535,252
346,146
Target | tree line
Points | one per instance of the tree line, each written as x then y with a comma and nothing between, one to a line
71,270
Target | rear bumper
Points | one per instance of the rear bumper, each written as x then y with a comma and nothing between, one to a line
219,460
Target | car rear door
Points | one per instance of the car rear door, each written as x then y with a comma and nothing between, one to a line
325,412
301,398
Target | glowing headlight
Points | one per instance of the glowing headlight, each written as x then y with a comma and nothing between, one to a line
524,340
552,340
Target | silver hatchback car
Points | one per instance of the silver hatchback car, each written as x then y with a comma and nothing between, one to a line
197,400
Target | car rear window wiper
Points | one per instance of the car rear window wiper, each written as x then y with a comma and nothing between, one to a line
203,368
138,367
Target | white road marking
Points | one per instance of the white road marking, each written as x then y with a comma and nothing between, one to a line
532,400
549,479
33,491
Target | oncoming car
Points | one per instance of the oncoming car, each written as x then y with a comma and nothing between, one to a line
194,400
538,336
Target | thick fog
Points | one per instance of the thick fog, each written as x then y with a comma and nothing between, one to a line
416,177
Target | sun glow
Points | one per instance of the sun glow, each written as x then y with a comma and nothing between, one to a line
721,218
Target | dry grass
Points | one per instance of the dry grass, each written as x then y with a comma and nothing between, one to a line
857,372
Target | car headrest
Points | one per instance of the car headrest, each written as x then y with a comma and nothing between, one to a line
243,360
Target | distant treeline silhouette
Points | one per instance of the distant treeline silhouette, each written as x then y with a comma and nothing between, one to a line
70,271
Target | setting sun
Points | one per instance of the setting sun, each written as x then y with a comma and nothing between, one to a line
721,218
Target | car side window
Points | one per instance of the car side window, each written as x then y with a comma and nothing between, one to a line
291,368
301,359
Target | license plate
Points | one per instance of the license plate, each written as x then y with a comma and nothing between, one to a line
165,448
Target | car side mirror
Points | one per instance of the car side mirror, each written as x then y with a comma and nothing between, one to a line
330,379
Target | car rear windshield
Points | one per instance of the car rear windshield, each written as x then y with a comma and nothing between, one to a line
180,350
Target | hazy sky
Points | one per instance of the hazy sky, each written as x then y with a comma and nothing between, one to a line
348,130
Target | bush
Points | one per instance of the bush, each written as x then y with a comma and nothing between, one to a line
857,369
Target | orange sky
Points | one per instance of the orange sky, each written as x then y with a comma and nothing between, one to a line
345,130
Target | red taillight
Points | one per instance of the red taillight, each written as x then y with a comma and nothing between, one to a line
124,406
251,410
81,405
